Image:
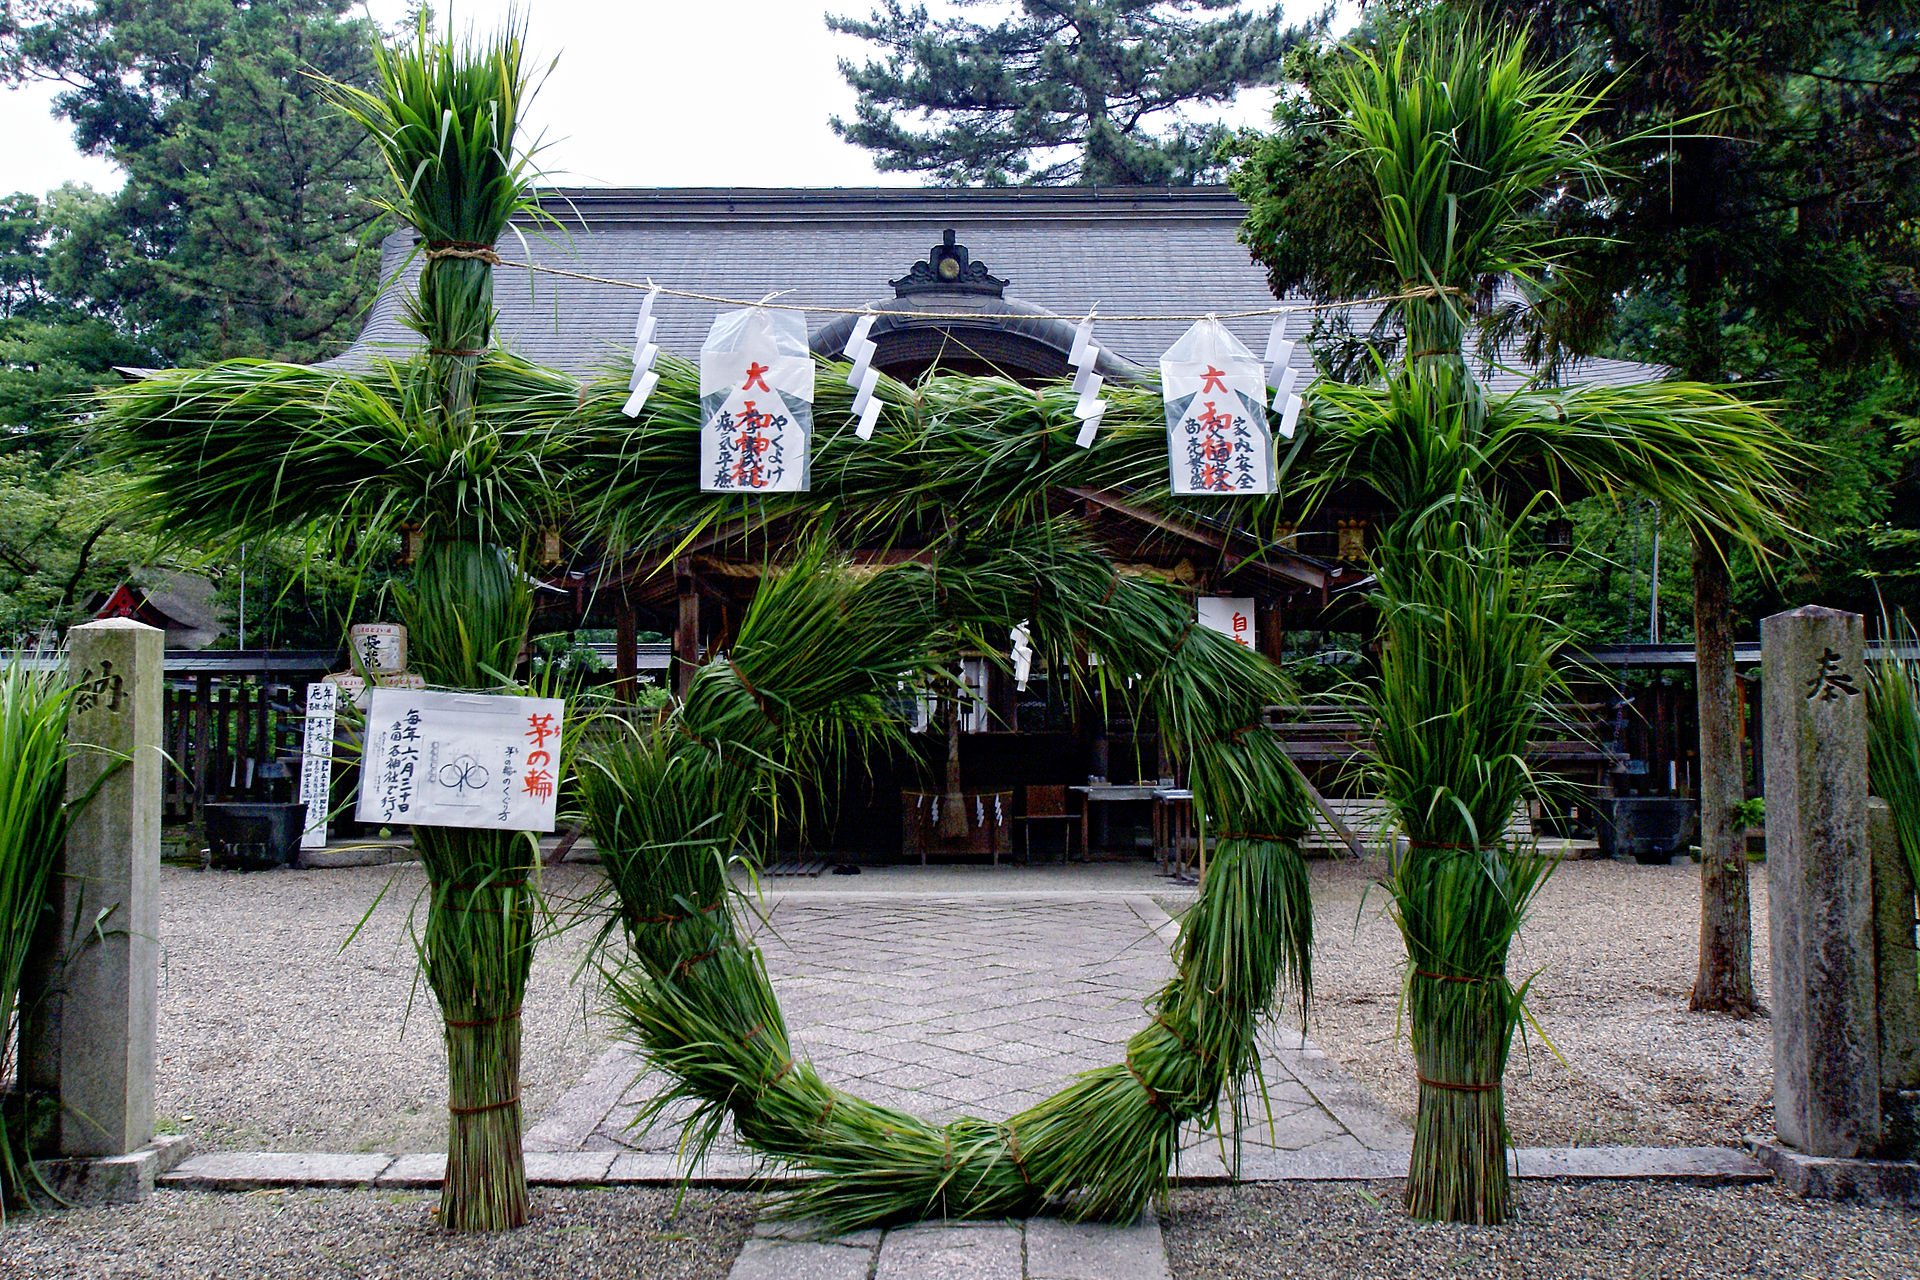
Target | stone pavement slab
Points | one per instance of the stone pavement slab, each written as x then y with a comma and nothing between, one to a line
1091,1251
982,1004
762,1259
951,1251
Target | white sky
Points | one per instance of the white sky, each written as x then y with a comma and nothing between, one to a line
646,93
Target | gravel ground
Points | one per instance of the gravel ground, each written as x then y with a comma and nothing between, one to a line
272,1037
1616,946
632,1234
1637,1231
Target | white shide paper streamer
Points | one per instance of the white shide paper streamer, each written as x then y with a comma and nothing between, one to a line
1086,383
861,378
1281,376
645,352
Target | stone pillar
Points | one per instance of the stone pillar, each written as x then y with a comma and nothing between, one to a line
90,1039
1826,1051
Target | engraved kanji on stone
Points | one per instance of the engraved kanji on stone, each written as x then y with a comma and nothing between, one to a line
1829,682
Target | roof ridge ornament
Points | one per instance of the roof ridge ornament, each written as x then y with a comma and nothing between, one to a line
949,269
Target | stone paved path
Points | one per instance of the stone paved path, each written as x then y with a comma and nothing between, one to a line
979,1003
1037,1249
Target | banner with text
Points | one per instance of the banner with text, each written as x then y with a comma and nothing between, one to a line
461,760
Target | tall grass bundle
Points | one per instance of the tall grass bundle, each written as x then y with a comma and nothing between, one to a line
1466,671
33,828
1893,734
669,808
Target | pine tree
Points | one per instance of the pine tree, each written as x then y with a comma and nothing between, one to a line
241,229
1095,92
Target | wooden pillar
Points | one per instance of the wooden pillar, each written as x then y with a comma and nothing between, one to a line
686,635
1272,631
626,652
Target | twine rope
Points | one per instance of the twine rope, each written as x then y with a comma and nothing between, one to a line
747,684
471,250
1193,1049
1449,977
485,1022
1013,1153
454,249
1154,1099
1458,1088
684,916
514,1101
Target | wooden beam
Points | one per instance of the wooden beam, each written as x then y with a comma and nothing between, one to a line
1218,542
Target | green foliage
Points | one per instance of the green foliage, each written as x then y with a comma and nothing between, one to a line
33,824
1893,736
1096,92
56,344
241,229
60,542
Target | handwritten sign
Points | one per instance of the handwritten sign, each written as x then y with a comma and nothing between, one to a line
756,403
1216,399
461,760
316,761
1231,616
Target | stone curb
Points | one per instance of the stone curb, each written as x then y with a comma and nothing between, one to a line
1830,1178
251,1170
115,1179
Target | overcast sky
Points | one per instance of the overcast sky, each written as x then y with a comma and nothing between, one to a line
646,93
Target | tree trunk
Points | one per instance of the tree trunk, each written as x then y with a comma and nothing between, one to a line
1725,980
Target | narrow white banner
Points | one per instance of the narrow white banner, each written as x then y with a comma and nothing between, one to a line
316,762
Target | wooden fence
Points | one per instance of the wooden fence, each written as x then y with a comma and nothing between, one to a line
226,718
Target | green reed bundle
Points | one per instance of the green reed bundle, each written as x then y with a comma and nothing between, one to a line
1466,671
33,828
1893,735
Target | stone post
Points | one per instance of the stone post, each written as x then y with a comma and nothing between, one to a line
1826,1051
90,1038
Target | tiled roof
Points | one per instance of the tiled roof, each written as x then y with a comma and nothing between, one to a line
1129,250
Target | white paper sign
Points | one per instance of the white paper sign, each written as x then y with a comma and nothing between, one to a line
756,403
1216,397
316,762
1231,616
461,760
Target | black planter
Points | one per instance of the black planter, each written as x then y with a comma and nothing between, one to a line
252,836
1649,829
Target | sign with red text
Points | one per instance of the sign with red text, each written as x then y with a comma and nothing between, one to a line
460,760
1216,398
756,403
1231,616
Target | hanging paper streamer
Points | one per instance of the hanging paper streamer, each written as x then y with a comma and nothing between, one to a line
1084,358
645,351
756,403
1281,375
863,380
1216,398
1022,642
